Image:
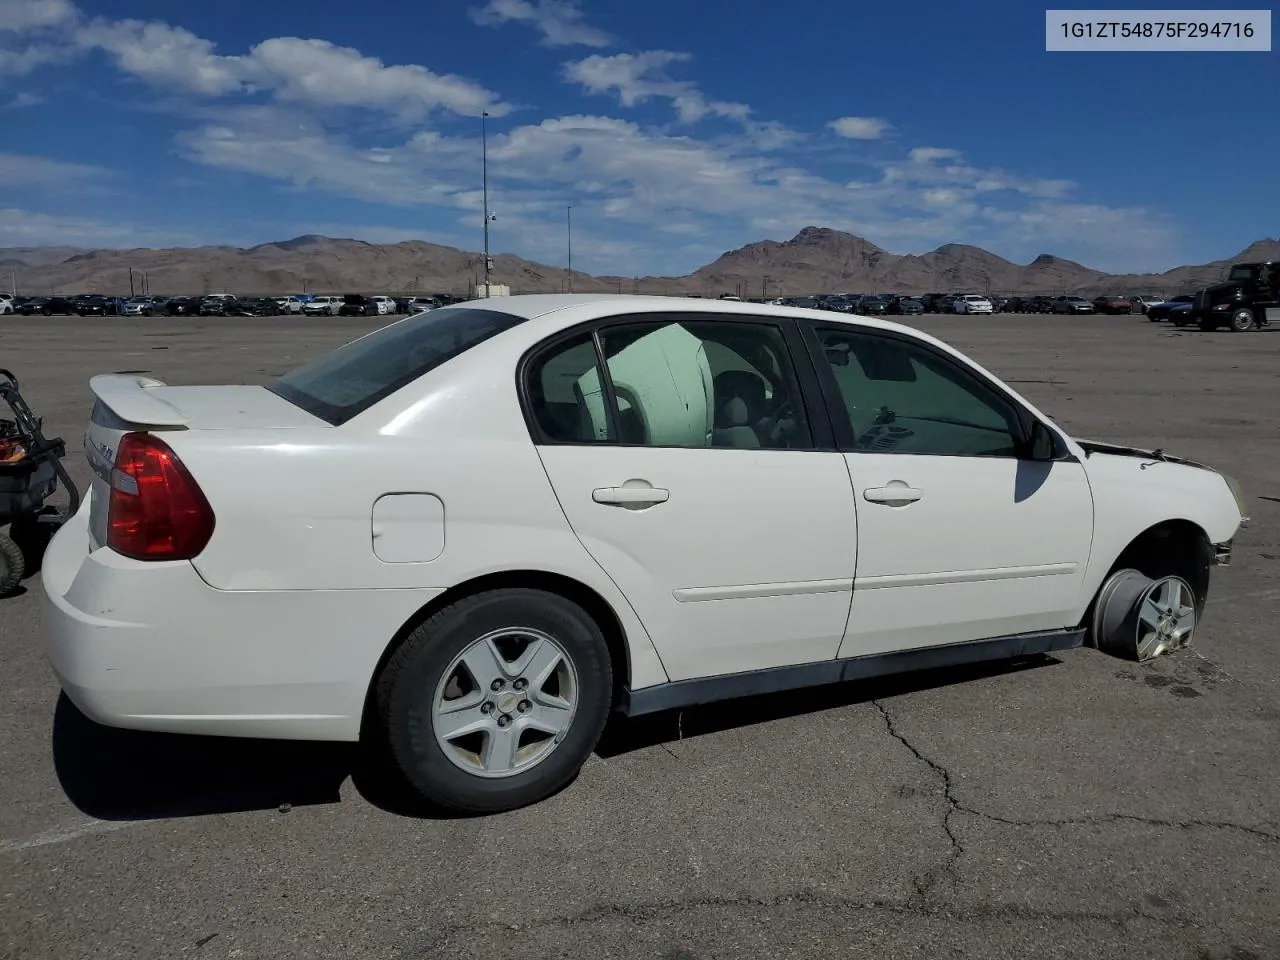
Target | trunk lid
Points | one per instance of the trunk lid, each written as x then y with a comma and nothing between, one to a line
126,403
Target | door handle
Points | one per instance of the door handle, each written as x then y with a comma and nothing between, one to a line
895,493
630,496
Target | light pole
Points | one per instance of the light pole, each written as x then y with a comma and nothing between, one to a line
484,175
568,215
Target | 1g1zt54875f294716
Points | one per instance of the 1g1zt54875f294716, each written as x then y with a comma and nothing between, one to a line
584,504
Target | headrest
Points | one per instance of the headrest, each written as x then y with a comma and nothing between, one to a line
739,398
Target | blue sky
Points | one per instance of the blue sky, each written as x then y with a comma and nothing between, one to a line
677,130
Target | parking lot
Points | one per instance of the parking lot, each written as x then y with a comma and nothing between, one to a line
1078,806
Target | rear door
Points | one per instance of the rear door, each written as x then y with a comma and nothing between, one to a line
961,536
694,473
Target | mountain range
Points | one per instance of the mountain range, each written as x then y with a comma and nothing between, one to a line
815,260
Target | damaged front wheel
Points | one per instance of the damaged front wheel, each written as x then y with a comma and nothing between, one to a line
1139,618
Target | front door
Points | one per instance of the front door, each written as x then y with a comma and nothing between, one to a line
690,474
959,538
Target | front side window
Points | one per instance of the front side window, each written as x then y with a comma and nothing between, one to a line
904,398
671,383
349,380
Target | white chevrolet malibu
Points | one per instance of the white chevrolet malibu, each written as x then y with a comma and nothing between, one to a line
476,532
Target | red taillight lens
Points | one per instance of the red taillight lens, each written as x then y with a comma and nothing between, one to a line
157,509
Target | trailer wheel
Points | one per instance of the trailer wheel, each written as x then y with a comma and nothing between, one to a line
12,566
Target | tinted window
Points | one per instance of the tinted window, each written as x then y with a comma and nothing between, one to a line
687,383
704,383
566,395
354,377
905,398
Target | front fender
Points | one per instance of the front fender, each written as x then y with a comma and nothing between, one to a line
1132,494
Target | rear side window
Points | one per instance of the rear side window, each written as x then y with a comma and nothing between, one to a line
341,384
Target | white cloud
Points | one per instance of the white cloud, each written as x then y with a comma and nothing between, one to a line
559,21
19,16
24,100
637,77
929,154
20,170
312,72
28,228
861,128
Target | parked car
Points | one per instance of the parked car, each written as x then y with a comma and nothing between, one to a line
1160,311
486,638
357,305
1142,302
253,307
972,303
183,306
217,304
1112,306
384,305
322,306
905,306
1074,305
6,303
96,306
421,304
872,306
48,307
1182,314
288,304
1248,299
142,307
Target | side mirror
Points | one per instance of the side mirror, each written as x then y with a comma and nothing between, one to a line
1042,444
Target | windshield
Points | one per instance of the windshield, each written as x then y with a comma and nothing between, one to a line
354,377
1242,273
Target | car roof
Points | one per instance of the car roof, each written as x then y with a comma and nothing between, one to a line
599,306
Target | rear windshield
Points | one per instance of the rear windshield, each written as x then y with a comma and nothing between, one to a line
354,377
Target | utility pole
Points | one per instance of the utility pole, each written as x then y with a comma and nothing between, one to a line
131,282
568,213
484,178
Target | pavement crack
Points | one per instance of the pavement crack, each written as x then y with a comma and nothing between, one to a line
926,882
954,806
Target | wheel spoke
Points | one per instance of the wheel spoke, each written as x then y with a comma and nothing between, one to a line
485,664
537,663
500,747
452,723
1149,614
1184,622
1149,645
549,714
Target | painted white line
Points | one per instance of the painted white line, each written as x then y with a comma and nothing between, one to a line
67,833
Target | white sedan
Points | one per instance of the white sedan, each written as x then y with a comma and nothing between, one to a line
476,532
972,303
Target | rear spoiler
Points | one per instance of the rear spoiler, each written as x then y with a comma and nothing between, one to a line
131,399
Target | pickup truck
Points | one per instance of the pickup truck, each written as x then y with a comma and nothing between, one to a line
1249,299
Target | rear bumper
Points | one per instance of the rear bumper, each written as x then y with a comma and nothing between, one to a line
151,646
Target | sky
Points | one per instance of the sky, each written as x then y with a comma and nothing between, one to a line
675,130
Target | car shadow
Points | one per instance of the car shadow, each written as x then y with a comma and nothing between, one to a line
115,775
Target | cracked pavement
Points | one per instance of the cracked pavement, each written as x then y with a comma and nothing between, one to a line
1076,806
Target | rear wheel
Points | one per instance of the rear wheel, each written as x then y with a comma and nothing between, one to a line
497,700
12,566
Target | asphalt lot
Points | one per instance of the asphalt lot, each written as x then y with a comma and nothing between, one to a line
1078,807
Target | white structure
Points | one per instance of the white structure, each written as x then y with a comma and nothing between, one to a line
465,516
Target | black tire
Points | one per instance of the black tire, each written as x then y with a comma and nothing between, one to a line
32,535
407,685
1242,320
12,566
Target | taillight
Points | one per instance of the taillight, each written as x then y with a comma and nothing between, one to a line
157,510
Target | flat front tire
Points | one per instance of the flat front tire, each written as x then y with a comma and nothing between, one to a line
496,701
